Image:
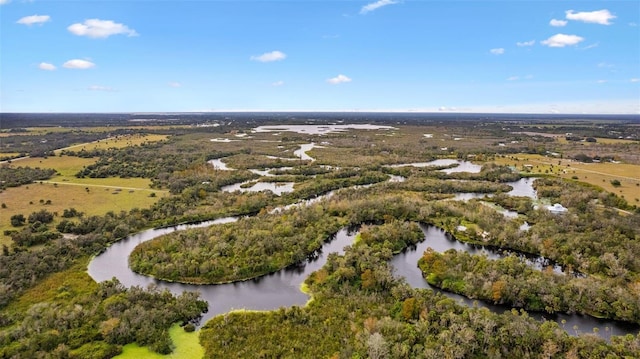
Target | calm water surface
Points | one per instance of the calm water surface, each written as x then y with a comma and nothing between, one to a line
405,265
277,188
319,129
280,289
283,287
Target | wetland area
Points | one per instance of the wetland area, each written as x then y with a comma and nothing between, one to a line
323,235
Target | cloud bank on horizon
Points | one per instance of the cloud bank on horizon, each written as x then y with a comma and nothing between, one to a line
372,55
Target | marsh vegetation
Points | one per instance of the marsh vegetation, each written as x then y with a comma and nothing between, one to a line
361,176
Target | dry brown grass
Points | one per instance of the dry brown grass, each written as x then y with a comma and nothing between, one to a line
598,174
97,200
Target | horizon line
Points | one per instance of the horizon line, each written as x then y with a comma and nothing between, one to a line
332,111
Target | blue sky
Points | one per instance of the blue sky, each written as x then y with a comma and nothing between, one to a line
377,55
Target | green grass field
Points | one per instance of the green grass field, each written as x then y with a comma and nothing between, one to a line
118,142
65,165
187,346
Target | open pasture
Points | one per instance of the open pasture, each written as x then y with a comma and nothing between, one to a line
92,199
601,140
597,174
93,196
66,166
118,142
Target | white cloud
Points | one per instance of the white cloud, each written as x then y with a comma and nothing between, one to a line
46,66
278,83
601,17
96,28
338,79
602,81
562,40
376,5
606,65
558,23
526,43
634,80
591,46
78,64
270,56
498,51
633,24
100,88
34,19
175,84
2,2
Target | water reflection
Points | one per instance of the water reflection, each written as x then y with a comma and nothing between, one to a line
319,129
277,188
302,152
283,287
405,266
462,166
523,188
219,165
265,293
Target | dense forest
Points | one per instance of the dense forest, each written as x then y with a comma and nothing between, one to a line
359,310
361,179
97,322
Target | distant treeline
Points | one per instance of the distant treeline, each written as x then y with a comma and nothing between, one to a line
18,120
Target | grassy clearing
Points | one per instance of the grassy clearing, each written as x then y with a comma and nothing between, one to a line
66,166
187,346
600,140
118,142
96,201
93,196
139,184
57,286
598,174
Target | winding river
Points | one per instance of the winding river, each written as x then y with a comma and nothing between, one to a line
283,287
265,293
405,265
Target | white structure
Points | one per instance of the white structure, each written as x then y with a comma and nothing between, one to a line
557,208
